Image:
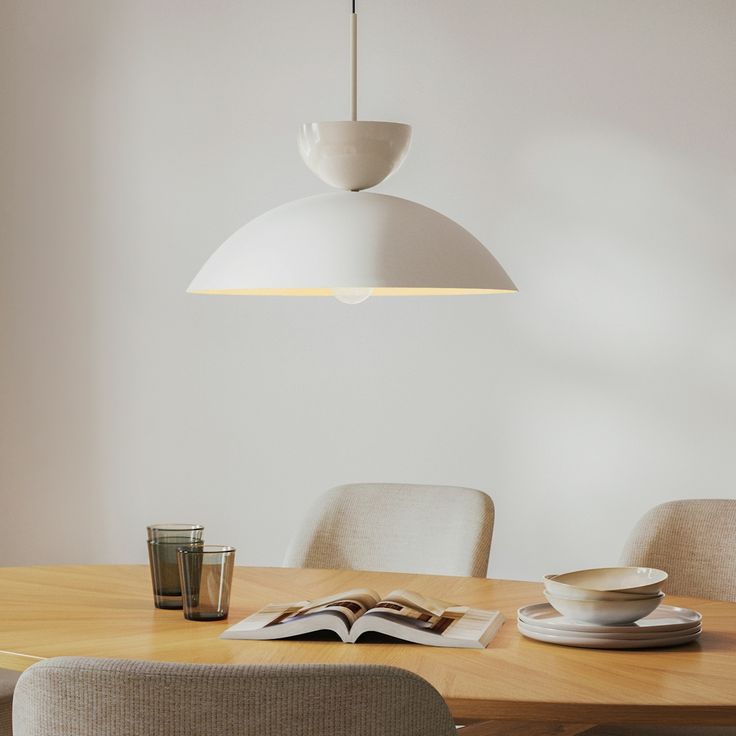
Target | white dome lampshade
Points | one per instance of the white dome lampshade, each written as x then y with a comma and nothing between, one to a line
352,244
352,241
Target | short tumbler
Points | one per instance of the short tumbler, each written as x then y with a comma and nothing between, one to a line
163,541
206,577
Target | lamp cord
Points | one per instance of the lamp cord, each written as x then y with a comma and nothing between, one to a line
354,64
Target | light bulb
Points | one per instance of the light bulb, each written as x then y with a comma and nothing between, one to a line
351,294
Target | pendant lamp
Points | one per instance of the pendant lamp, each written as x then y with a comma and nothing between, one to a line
352,244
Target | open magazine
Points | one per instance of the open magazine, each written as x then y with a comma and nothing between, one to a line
402,614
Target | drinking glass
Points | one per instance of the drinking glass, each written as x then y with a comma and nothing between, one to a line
163,541
206,578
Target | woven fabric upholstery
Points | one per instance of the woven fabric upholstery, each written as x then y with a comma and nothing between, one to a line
694,541
8,678
76,696
441,530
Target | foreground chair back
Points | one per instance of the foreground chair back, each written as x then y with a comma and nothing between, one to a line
441,530
95,697
694,541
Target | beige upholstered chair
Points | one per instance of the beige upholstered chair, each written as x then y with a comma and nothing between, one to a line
105,697
694,541
8,678
442,530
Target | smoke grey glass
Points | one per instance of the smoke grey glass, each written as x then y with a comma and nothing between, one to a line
206,578
163,541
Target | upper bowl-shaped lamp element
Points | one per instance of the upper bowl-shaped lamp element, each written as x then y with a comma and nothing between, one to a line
354,154
346,243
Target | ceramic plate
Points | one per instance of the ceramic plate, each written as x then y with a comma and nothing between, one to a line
644,634
664,618
580,640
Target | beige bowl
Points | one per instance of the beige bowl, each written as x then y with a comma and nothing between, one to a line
604,613
551,585
640,580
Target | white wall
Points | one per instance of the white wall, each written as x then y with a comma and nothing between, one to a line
588,143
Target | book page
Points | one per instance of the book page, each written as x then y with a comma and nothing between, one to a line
459,626
351,604
273,613
408,600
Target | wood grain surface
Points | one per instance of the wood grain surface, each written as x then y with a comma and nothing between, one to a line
107,611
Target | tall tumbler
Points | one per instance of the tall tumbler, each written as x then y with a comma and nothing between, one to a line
206,578
163,541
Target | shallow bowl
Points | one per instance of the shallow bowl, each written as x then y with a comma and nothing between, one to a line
604,613
616,579
551,585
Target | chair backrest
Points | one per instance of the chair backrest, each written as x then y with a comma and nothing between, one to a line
441,530
694,541
90,697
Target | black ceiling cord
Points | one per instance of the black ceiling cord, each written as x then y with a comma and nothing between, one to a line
353,6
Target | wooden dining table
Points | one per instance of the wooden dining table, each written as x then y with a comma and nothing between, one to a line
107,611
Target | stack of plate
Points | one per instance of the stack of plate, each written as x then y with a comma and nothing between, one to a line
667,626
